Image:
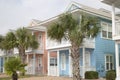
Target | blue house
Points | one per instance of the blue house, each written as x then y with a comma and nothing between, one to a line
96,54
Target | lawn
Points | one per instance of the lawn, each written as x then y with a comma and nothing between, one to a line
5,78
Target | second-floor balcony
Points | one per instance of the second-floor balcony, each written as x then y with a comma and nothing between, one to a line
117,31
31,51
90,43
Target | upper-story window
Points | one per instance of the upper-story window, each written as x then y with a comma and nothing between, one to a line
40,39
106,30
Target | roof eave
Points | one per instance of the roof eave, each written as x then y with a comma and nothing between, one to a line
111,2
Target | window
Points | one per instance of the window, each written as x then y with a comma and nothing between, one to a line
40,61
63,61
40,39
106,30
53,61
109,62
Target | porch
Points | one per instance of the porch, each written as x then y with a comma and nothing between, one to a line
34,64
59,62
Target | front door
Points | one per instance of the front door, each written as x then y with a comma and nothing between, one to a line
53,66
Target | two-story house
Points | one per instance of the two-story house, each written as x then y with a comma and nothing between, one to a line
54,58
97,54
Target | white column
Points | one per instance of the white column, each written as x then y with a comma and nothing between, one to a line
117,58
32,32
34,58
48,63
113,20
57,62
27,58
83,62
70,64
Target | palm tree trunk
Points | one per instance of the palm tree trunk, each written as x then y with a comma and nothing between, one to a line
75,62
22,55
14,76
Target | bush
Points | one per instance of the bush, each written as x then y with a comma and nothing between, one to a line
110,75
91,75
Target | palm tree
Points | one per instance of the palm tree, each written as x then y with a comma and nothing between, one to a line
74,30
12,66
22,39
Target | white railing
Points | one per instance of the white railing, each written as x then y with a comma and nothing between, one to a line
117,28
89,68
38,70
65,43
29,69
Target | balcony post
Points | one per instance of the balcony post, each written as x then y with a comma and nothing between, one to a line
57,62
83,62
48,63
113,21
117,59
70,64
34,65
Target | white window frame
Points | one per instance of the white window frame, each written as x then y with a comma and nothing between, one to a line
63,61
40,39
40,61
107,31
109,55
54,61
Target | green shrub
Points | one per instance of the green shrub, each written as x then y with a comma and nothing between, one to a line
91,75
110,75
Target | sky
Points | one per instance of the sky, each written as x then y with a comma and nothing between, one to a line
19,13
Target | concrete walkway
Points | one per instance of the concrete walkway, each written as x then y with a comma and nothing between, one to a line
52,78
46,78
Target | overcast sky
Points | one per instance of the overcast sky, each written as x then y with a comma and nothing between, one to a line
18,13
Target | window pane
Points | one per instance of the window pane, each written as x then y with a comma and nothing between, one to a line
111,59
111,66
107,58
107,66
109,34
109,27
51,61
104,34
63,57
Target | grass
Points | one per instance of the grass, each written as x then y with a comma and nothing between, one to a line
9,78
5,78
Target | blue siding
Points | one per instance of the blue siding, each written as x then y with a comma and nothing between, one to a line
1,64
66,71
102,47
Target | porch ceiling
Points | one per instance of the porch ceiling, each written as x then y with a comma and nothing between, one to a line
110,2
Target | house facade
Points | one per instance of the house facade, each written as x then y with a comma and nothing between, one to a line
115,5
53,58
96,54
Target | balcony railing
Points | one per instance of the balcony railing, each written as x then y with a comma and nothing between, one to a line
66,43
30,70
117,31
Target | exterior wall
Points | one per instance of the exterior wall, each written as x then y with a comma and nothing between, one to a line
66,71
102,47
45,55
42,53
